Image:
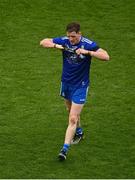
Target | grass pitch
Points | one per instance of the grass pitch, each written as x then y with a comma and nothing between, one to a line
33,119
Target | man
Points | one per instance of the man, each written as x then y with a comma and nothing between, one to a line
77,53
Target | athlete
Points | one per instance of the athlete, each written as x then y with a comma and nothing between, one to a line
77,52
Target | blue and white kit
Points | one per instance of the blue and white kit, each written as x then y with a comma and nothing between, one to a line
76,69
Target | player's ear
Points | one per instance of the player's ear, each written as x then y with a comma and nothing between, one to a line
80,33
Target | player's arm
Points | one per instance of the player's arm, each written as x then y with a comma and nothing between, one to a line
99,54
48,43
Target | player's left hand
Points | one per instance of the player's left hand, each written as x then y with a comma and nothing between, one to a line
81,51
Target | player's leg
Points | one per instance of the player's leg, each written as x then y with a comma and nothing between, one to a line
78,98
74,117
71,129
68,104
79,131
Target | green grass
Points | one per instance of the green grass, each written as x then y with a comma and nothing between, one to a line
33,118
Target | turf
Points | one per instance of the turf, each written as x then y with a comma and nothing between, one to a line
33,118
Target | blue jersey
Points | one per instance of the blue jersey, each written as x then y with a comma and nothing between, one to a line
76,68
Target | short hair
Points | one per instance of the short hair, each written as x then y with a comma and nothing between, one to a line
74,26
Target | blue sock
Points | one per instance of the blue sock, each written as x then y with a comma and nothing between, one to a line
66,147
79,130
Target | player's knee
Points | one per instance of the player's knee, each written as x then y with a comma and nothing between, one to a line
73,119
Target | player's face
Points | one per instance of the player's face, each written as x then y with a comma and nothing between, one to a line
74,37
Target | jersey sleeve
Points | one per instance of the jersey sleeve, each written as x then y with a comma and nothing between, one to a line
91,45
58,40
